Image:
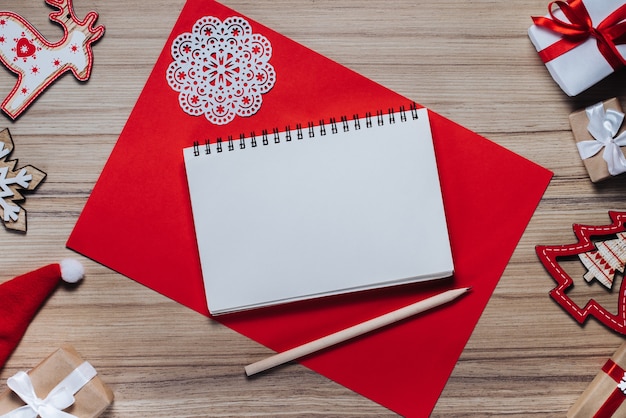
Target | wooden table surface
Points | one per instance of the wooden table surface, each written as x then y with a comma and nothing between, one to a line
470,61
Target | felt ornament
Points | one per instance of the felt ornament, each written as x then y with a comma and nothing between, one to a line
37,61
601,249
22,296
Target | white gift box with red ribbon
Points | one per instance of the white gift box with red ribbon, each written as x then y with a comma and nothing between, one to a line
581,42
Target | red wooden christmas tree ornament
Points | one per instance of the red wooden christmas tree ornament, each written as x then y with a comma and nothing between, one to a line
602,250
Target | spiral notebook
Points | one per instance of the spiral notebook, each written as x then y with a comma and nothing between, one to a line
307,212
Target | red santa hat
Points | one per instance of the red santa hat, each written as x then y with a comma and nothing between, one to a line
22,296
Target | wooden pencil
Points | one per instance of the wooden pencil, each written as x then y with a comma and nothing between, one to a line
355,331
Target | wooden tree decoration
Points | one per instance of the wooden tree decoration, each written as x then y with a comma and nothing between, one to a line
37,61
13,180
602,249
602,263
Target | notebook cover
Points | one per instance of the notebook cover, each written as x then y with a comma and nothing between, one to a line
138,221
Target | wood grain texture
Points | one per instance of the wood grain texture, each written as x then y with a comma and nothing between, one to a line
470,61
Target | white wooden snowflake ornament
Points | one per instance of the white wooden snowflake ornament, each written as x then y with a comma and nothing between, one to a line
13,180
38,62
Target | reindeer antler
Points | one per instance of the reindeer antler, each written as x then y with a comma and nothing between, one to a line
64,7
66,17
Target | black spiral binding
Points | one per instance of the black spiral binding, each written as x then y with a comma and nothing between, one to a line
344,124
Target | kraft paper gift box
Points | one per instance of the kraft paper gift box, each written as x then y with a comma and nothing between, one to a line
606,395
90,400
602,151
581,42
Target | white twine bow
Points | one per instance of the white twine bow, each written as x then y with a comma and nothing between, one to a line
59,398
603,126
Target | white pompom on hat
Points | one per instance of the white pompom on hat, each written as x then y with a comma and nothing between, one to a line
22,296
72,271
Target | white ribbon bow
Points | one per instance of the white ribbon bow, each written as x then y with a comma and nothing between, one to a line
603,126
59,398
622,384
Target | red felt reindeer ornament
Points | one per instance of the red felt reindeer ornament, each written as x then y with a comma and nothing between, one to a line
37,61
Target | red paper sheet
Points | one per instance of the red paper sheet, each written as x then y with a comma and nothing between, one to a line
138,222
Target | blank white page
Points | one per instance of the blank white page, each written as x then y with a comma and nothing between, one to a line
319,215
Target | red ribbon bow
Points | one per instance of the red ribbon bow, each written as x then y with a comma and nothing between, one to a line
608,33
616,397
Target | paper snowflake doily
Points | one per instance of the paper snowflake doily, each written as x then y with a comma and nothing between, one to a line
221,69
